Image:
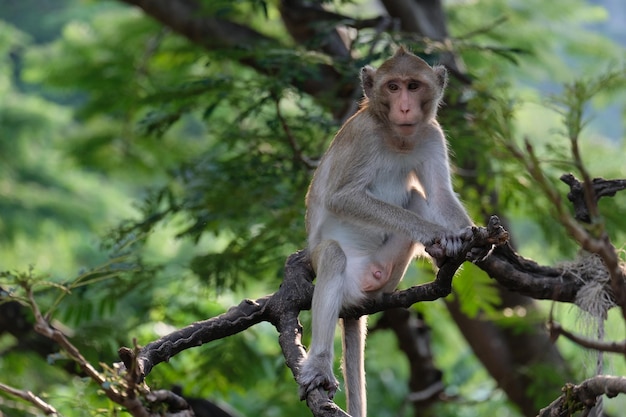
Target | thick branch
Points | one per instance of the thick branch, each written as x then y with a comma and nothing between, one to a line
526,277
187,18
283,307
176,405
235,320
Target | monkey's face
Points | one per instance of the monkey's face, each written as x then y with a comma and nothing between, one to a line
406,100
404,92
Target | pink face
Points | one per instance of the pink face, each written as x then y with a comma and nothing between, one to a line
405,97
404,92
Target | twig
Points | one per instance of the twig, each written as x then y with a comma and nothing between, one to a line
484,29
557,330
133,404
44,328
291,139
31,398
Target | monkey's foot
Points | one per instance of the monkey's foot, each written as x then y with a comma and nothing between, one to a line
318,381
313,375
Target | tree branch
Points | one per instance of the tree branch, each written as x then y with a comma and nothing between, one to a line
176,405
613,347
601,188
31,398
283,307
187,18
295,294
584,396
235,320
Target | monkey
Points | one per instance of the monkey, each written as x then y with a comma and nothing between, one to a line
381,192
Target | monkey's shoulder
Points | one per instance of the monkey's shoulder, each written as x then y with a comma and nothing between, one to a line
359,129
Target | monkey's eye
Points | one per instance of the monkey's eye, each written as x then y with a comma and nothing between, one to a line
414,85
393,87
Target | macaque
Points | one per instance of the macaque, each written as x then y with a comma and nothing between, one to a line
381,192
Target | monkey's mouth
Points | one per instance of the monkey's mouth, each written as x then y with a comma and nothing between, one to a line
407,123
406,128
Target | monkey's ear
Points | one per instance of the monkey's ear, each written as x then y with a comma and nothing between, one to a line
442,75
367,80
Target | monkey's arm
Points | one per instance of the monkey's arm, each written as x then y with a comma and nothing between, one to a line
360,206
436,180
441,205
461,228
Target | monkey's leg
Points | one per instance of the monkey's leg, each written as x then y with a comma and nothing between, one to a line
354,332
317,369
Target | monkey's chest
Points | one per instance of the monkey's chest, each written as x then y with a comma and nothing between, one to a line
395,186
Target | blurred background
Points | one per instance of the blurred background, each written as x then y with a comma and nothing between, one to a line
154,162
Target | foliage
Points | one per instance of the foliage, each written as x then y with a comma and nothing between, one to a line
190,170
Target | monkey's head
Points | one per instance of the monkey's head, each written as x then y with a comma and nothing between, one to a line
404,92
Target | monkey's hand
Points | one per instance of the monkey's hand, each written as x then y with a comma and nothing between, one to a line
449,245
315,373
475,243
452,243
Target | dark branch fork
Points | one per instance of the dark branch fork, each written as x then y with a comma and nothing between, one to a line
282,308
